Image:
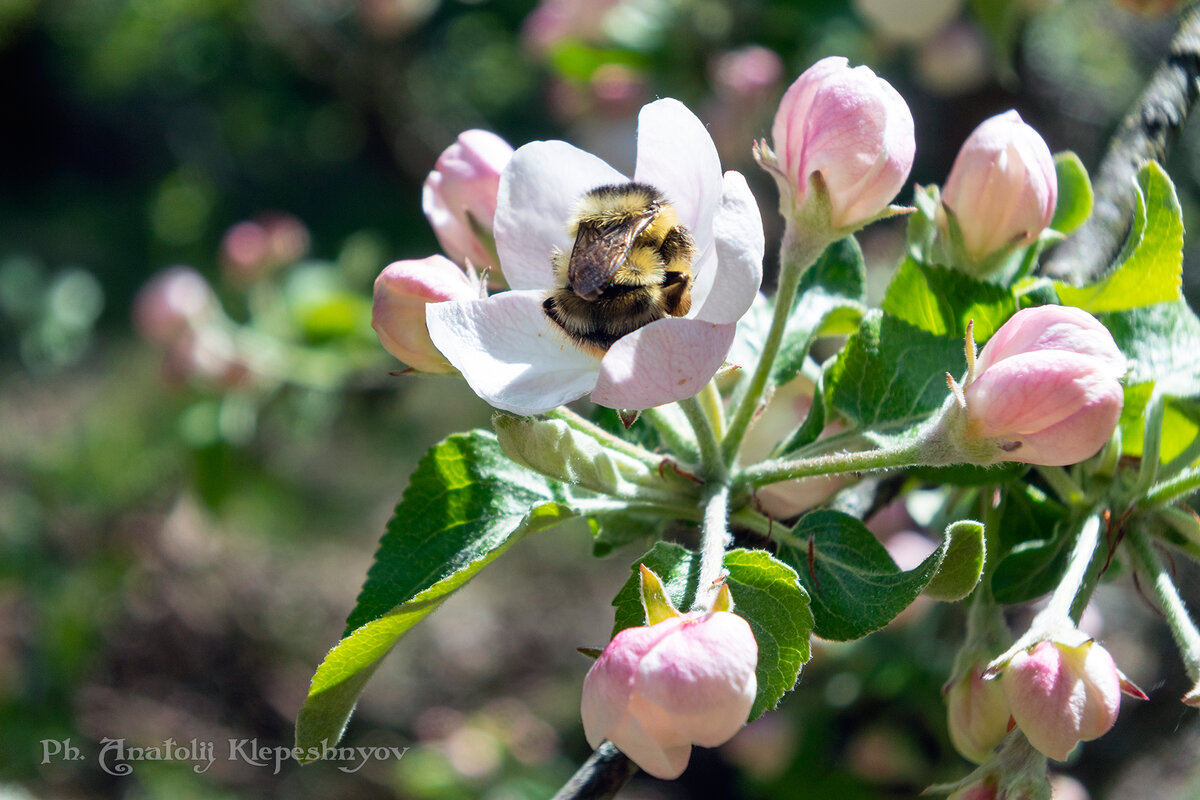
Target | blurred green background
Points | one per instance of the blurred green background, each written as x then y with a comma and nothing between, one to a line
185,523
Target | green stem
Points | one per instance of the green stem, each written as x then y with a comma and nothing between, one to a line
1063,484
671,431
1074,588
715,538
1147,562
784,469
710,448
795,259
1171,489
752,520
710,399
607,439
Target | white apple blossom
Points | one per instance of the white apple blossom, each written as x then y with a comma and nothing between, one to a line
516,359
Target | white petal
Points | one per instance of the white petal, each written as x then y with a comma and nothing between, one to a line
677,156
665,361
510,353
538,191
740,244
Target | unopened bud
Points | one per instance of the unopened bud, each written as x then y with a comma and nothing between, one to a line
1002,189
402,291
459,196
844,135
172,302
656,690
977,713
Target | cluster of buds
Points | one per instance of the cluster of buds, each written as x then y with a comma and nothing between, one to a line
678,681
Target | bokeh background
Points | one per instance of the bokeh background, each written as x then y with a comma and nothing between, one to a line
185,520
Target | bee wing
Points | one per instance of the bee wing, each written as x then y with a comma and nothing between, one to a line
599,251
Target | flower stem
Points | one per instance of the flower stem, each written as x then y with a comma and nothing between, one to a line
600,777
710,448
1074,589
1171,489
1062,483
670,428
783,469
795,259
1183,628
710,399
715,538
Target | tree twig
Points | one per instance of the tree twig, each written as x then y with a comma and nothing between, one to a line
1145,134
600,777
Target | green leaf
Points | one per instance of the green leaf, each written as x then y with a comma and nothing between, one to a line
941,301
891,372
765,593
962,567
1160,343
465,505
1030,552
1075,195
613,531
856,587
1151,270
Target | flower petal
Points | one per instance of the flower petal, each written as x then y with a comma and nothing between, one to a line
665,361
732,287
538,192
677,156
510,353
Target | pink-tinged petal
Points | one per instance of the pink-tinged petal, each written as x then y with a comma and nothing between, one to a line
677,156
1103,681
539,190
1030,392
1045,700
1052,328
665,759
790,127
667,360
725,293
609,683
1079,436
510,353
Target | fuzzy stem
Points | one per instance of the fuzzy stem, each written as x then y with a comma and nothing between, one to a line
710,399
783,470
710,448
1074,589
715,538
1183,628
1062,483
1171,489
677,442
795,258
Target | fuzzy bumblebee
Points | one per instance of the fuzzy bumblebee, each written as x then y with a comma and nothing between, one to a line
631,264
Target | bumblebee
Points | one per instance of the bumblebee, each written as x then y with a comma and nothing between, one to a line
630,265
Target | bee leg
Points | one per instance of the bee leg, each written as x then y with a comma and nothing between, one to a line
677,297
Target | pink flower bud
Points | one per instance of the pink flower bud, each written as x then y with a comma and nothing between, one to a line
1047,387
1002,188
402,291
1061,695
658,689
977,712
171,302
852,128
459,197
